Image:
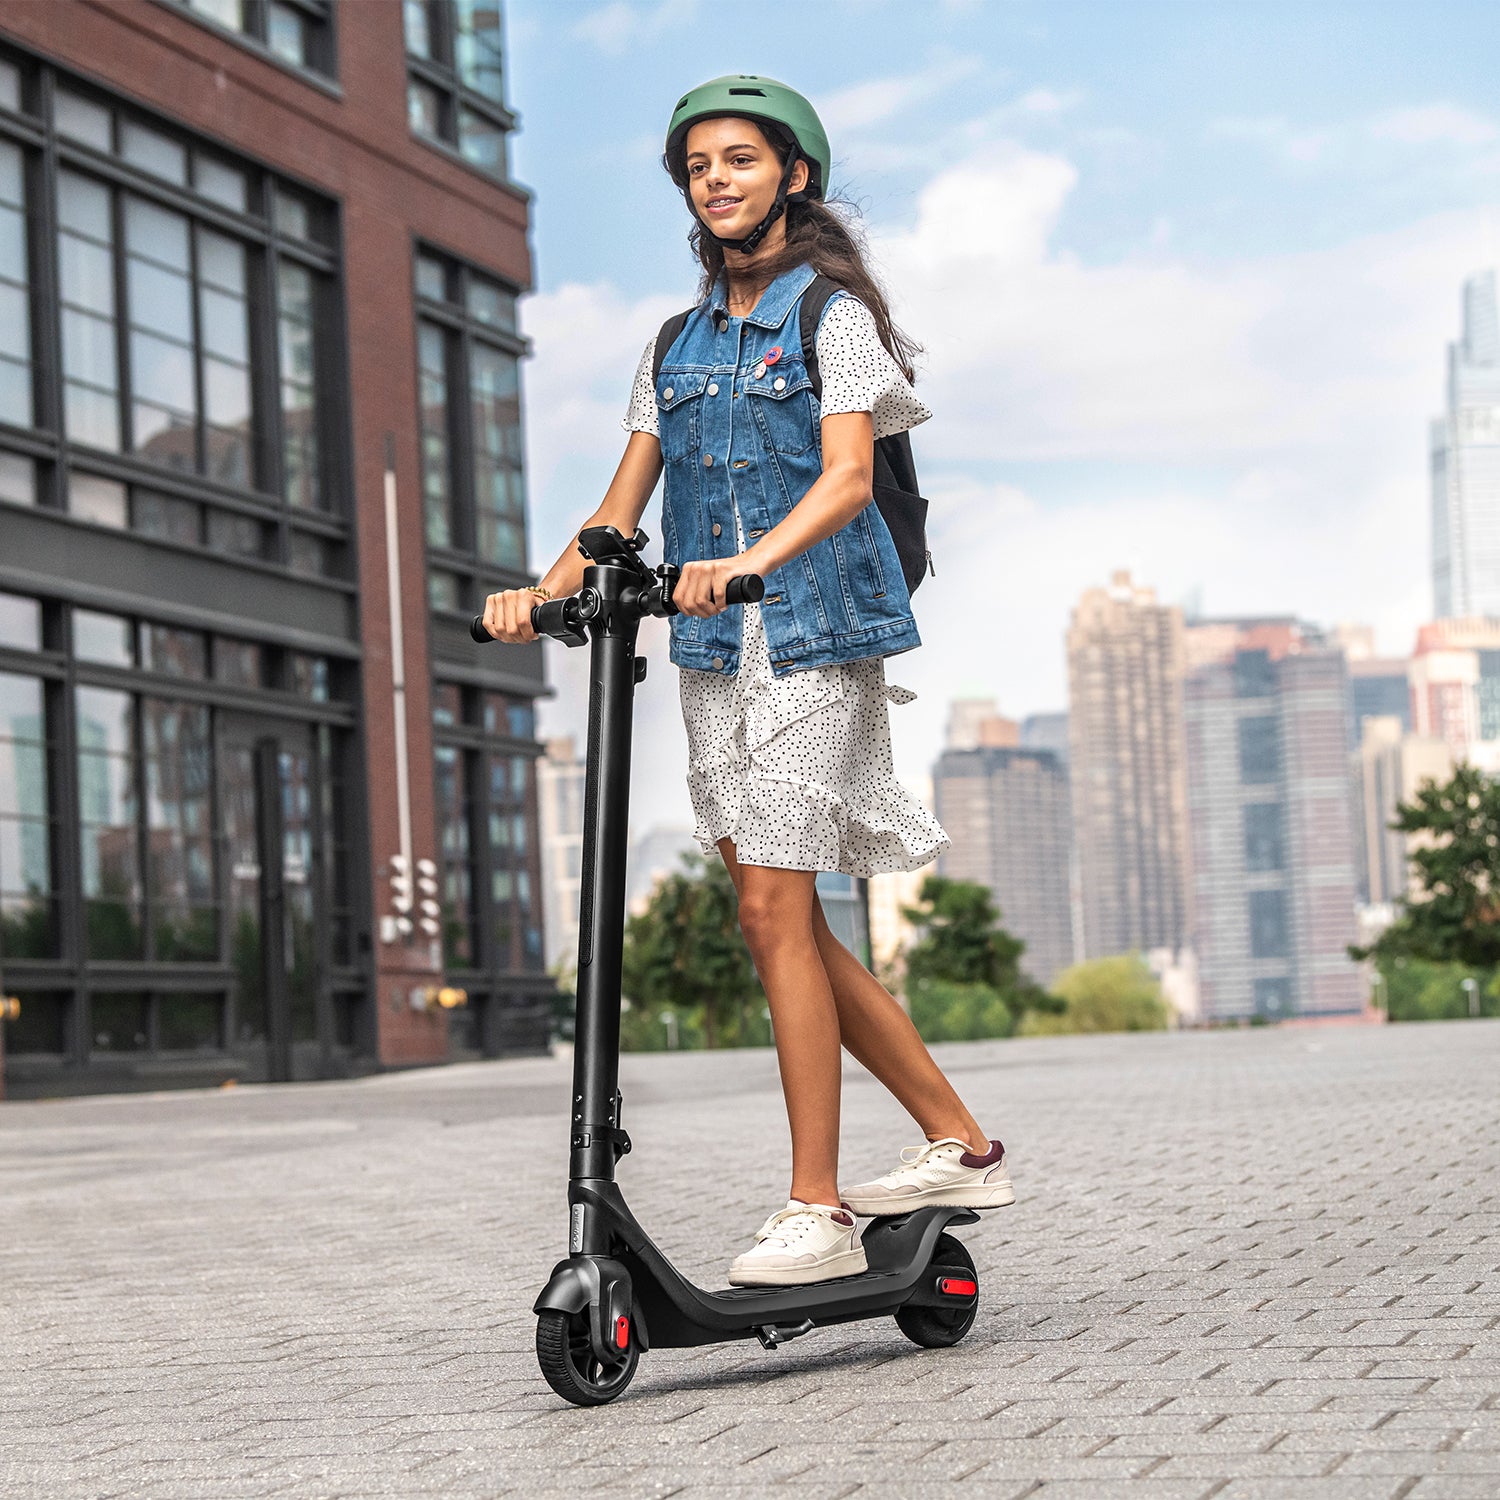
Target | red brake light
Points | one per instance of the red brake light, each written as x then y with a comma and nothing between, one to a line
622,1333
951,1286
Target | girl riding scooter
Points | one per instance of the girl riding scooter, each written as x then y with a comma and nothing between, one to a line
785,702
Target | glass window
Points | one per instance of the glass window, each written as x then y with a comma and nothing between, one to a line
1268,925
443,590
447,704
310,554
499,527
1264,848
167,517
17,479
417,19
190,1023
119,1023
299,426
27,900
220,182
1254,674
1260,753
153,152
292,217
102,638
492,304
97,499
432,279
10,86
42,1026
15,306
456,890
229,13
506,715
481,141
179,830
476,47
182,653
82,120
86,270
436,493
424,109
108,809
20,623
1273,998
309,675
286,33
240,663
240,536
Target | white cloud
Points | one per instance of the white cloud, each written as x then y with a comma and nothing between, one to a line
1425,124
862,105
619,27
1367,143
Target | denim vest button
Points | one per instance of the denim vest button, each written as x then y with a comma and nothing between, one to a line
717,528
708,460
723,325
713,390
778,384
666,395
718,664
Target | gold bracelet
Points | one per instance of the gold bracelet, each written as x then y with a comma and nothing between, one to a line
539,590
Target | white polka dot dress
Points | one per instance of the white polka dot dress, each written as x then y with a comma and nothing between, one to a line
796,770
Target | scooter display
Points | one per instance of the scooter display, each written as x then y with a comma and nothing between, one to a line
617,1295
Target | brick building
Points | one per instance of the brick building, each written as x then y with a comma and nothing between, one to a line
260,460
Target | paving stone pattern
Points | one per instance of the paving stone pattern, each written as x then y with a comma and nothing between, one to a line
1243,1266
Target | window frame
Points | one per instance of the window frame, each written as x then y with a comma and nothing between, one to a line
321,16
440,73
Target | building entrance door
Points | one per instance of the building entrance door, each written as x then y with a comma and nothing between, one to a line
273,848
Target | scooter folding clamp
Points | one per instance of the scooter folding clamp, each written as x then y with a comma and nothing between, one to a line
611,1133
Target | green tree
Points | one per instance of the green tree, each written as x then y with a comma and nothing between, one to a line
685,952
1455,915
1104,994
964,950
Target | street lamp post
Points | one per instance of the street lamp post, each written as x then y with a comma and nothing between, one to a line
1471,989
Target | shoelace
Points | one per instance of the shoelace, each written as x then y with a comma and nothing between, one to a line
921,1153
769,1229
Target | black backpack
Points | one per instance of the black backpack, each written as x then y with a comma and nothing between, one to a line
894,486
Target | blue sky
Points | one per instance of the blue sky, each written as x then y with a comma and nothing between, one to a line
1185,273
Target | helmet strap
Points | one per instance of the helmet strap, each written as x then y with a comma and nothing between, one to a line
751,241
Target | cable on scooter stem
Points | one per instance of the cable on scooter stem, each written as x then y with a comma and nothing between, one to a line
550,618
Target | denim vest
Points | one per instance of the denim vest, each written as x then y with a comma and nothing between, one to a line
740,427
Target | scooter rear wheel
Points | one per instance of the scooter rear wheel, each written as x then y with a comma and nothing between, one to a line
570,1366
939,1327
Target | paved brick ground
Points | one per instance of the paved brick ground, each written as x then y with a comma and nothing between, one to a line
1243,1266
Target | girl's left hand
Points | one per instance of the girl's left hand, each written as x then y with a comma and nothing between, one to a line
700,589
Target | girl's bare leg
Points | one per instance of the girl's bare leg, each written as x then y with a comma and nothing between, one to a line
776,917
878,1033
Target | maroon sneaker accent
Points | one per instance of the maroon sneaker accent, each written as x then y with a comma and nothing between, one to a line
841,1218
989,1159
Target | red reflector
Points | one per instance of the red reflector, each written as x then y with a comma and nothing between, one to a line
622,1332
950,1286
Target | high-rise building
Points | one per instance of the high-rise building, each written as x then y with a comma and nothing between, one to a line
559,788
973,722
1465,447
261,797
1125,664
1046,732
1388,768
1272,837
1379,688
1008,814
1455,686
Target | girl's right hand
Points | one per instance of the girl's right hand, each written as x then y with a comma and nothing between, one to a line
507,615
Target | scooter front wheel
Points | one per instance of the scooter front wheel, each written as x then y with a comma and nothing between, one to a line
570,1366
938,1327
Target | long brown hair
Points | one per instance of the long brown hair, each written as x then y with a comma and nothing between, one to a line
821,233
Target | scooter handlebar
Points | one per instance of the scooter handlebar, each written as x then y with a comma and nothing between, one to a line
558,617
747,588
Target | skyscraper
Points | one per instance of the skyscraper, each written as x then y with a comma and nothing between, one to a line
1125,661
1272,839
1388,768
1007,812
1466,464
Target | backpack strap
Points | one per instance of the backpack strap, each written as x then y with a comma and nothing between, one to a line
814,300
671,330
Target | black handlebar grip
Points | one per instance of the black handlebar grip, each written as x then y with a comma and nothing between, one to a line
480,634
747,588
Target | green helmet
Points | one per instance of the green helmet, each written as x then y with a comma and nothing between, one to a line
756,98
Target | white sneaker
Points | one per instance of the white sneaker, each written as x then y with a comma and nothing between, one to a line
936,1172
800,1243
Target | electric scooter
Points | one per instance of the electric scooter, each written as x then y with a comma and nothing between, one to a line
616,1295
